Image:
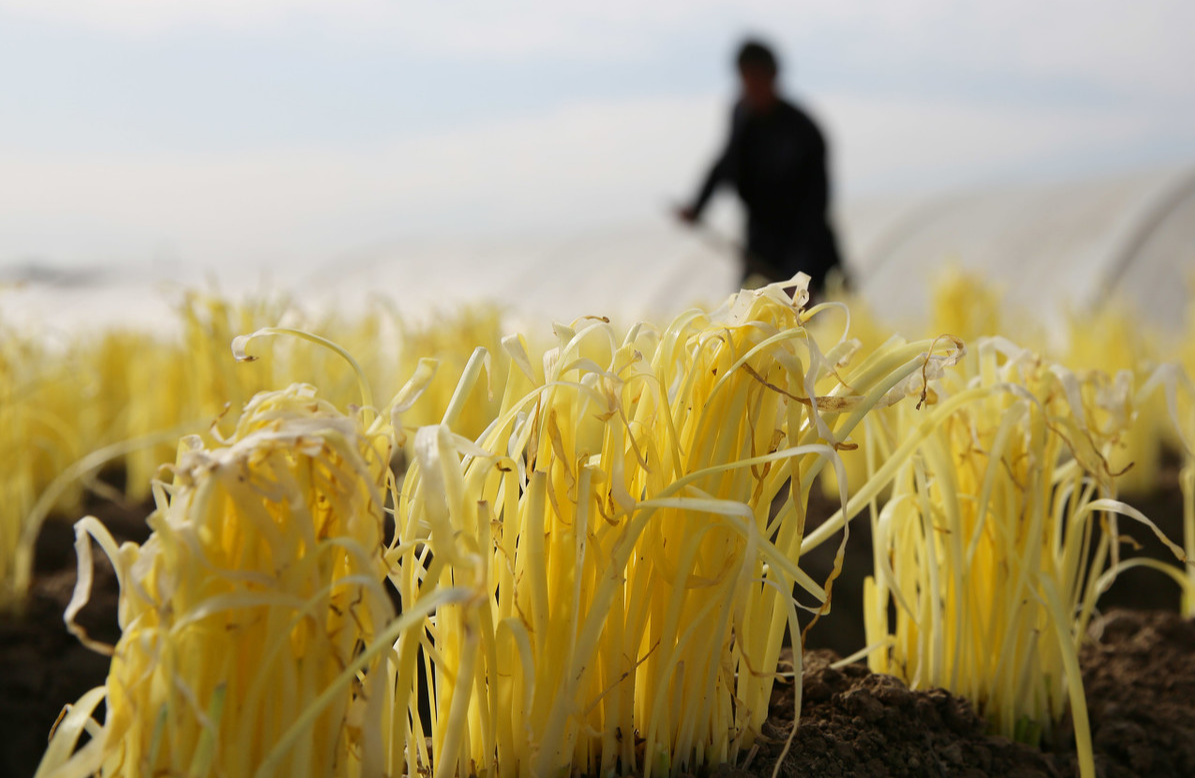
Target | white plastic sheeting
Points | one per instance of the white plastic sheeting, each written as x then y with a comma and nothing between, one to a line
1048,247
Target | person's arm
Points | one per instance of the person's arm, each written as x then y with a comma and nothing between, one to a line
717,174
721,172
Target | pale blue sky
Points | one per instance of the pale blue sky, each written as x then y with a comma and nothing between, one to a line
69,85
260,127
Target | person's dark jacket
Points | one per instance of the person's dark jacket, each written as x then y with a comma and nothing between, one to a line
777,162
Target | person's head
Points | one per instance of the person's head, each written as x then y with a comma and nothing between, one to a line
757,68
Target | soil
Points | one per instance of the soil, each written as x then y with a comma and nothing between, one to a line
1139,673
42,666
1140,680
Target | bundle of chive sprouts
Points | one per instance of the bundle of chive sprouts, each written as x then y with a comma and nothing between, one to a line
1000,533
630,526
243,614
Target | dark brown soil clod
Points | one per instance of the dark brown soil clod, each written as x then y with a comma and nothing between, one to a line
1140,682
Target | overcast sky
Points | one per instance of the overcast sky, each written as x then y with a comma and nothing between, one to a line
267,128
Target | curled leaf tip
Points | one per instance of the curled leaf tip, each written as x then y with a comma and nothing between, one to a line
240,345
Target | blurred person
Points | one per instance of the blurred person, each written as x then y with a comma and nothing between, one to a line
776,159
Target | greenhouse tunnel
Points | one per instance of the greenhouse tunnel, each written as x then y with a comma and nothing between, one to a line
1080,244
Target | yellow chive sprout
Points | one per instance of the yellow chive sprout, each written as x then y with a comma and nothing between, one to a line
244,613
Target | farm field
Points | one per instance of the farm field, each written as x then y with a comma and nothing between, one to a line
591,532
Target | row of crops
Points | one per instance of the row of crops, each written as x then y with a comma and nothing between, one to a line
382,549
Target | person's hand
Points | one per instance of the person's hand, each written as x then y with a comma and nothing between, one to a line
687,214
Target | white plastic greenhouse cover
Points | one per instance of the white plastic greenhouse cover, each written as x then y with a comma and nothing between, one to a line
1047,247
